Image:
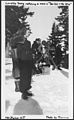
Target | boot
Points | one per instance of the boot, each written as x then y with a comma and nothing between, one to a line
29,93
24,96
17,88
53,68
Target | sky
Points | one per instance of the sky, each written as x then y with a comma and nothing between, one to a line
42,20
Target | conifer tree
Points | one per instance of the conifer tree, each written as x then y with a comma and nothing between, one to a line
60,32
15,20
63,20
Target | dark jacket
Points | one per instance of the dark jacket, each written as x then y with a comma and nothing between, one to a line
24,51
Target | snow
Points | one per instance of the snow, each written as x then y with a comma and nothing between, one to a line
50,91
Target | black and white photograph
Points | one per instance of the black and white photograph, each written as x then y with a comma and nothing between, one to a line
37,59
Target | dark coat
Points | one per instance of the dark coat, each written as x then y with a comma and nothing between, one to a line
24,54
36,51
58,55
15,70
24,51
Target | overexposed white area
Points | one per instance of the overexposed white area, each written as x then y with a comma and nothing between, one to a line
42,21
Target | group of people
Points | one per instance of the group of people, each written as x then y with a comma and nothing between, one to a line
28,60
46,55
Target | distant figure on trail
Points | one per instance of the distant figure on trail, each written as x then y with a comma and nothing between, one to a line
37,48
48,59
58,56
37,53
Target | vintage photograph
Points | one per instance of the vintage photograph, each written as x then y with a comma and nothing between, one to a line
37,59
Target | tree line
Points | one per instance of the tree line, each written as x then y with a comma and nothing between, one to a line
15,23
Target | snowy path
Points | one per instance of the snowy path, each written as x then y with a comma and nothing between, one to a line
50,94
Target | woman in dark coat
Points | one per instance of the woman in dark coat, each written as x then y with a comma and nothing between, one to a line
15,70
24,54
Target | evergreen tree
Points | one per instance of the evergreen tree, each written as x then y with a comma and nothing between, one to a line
63,20
15,20
60,32
54,36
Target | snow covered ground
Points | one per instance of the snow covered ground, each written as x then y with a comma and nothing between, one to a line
50,91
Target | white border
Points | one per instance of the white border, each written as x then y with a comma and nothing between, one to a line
70,58
71,61
3,59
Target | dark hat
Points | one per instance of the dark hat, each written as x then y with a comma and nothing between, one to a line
38,39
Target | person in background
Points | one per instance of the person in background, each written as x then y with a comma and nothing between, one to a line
52,57
47,55
58,56
15,70
37,54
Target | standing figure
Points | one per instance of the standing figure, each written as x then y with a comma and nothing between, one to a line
15,70
37,54
37,49
47,55
24,53
58,56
